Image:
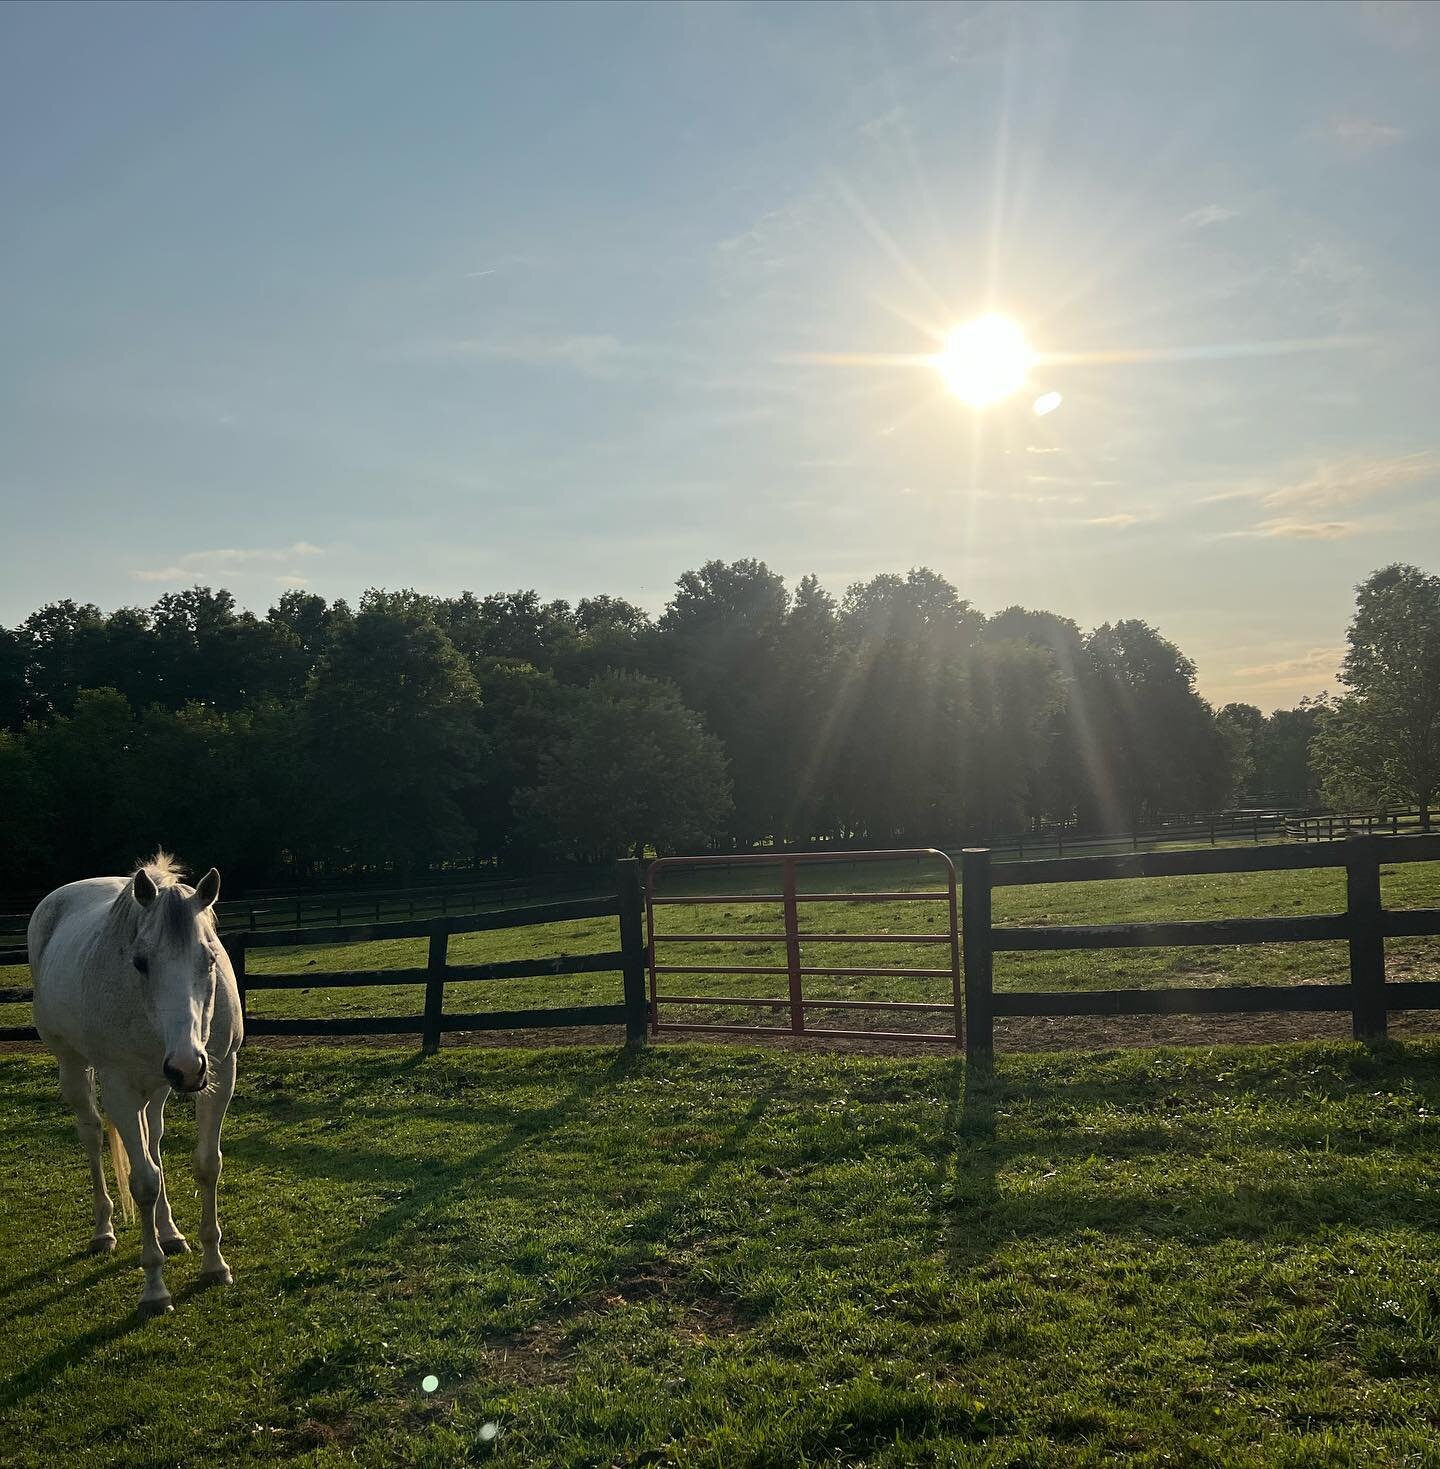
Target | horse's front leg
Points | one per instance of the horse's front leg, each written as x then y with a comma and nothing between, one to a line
171,1240
126,1108
77,1086
210,1108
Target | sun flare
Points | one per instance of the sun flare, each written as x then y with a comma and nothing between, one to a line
985,360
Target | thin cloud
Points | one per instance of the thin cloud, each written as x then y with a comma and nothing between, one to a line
1353,480
1306,530
1306,668
1118,521
231,558
1202,218
1357,137
1300,501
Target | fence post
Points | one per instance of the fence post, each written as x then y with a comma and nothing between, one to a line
1367,940
632,944
435,987
792,946
979,956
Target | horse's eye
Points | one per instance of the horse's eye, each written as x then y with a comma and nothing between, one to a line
143,965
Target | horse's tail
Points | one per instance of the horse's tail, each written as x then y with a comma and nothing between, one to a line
121,1159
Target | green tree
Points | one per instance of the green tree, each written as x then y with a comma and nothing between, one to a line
1380,742
719,644
1243,728
95,778
392,727
1284,775
631,768
1153,744
26,849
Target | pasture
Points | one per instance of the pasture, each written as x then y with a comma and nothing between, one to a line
736,1257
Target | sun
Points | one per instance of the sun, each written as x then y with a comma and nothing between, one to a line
985,360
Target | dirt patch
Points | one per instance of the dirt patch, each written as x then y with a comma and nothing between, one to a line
546,1353
542,1355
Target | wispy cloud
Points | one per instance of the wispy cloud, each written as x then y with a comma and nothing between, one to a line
1199,219
255,560
1305,501
1352,480
1307,668
1305,530
1356,136
1118,521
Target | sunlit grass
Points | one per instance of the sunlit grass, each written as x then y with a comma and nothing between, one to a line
742,1259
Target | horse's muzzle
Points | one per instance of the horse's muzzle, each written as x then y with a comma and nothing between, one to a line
192,1080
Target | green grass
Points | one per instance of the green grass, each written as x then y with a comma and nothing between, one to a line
737,1258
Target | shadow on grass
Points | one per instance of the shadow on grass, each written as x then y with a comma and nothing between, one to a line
430,1188
437,1181
42,1372
10,1288
106,1265
981,1218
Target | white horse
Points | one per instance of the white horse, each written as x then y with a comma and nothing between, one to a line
133,986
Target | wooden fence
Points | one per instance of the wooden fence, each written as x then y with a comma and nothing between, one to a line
1333,826
632,1010
1364,925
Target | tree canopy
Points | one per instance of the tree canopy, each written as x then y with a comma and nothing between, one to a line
1380,742
415,730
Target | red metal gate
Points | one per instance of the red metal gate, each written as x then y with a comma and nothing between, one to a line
793,969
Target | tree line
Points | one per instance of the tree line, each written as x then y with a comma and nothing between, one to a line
413,731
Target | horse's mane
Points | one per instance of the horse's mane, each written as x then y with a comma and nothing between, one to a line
169,877
162,869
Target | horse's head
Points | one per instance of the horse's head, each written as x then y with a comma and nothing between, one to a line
176,952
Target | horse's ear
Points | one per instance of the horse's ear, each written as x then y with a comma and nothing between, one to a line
208,889
144,889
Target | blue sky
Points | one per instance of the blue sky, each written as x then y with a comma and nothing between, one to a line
541,295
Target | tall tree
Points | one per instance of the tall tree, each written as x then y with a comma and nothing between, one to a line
392,725
719,637
631,768
1381,741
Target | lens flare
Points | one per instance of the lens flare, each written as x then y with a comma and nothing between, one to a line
1047,403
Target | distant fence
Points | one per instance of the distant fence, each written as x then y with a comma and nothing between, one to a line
1334,826
338,908
1364,925
631,1010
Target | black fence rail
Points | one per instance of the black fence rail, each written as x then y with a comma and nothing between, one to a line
1364,925
631,1010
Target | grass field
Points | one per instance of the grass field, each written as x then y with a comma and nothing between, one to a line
735,1257
1251,894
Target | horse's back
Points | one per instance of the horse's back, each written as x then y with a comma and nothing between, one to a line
65,919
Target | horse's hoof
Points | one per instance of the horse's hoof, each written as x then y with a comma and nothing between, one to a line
177,1246
102,1244
221,1276
159,1306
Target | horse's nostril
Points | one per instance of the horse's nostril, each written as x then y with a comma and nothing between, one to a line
174,1077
